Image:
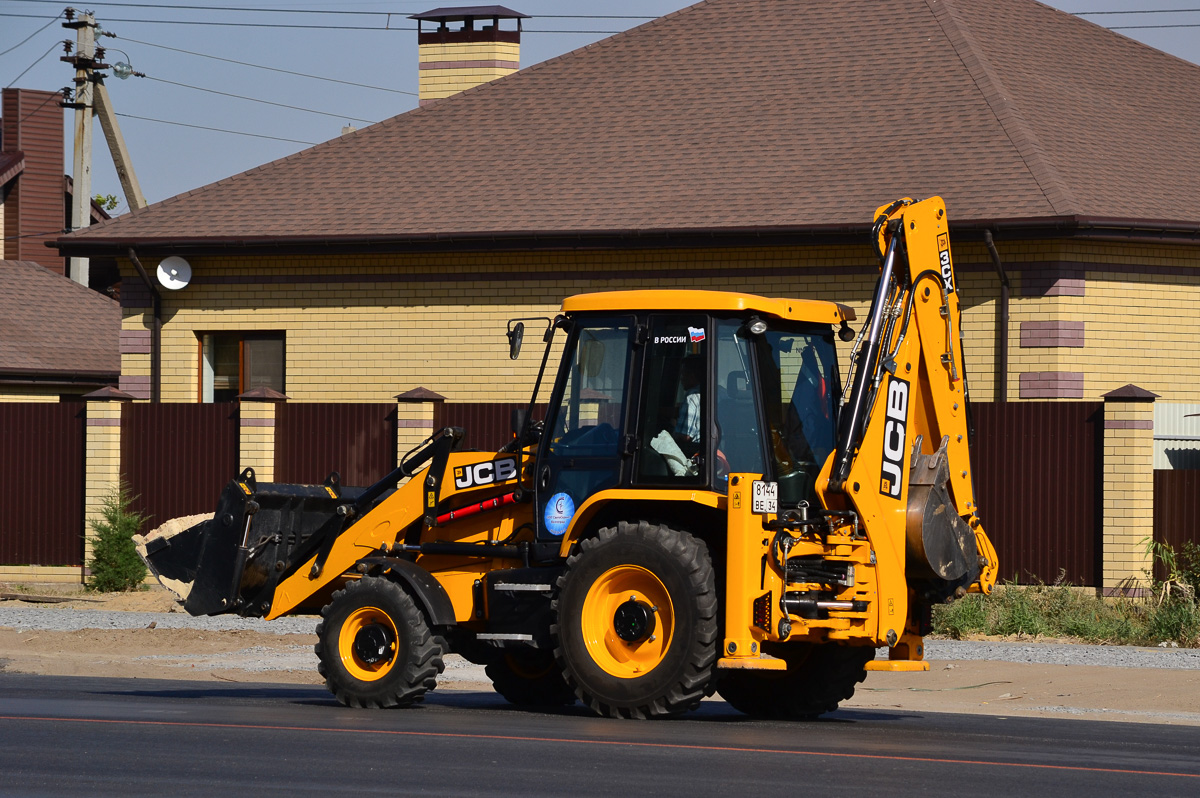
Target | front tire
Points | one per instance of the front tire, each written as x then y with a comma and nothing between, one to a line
817,679
375,648
637,621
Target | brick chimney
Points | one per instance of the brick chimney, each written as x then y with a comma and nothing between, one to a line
463,47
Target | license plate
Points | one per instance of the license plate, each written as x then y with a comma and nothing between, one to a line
765,497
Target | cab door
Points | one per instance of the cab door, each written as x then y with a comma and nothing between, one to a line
584,435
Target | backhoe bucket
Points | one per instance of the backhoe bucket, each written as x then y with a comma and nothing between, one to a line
258,535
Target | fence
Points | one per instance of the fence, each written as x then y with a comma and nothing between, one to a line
176,457
1039,469
41,483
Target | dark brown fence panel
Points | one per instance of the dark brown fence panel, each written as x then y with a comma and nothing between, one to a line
1176,509
41,483
356,440
488,425
1037,475
178,457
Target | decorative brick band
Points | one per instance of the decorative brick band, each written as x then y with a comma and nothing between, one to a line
104,422
1051,333
414,423
1052,385
481,64
1052,280
258,422
1117,423
137,387
135,342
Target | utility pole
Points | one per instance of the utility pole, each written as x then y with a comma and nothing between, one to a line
85,62
116,146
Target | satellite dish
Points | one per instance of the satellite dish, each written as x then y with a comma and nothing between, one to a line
174,273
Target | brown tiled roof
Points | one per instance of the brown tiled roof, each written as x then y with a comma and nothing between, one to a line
744,115
11,164
53,327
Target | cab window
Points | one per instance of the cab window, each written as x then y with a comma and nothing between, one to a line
674,401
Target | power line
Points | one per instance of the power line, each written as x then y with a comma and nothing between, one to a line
1147,11
262,66
35,63
256,100
281,25
1148,27
30,36
217,129
173,7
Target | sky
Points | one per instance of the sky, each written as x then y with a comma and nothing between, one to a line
187,48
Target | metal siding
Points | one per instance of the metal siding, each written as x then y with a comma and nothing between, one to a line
41,483
487,425
1176,509
1176,435
177,457
35,209
1037,477
357,440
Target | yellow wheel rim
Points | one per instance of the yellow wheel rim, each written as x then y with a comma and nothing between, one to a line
360,620
627,659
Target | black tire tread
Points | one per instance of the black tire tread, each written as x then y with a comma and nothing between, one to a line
814,683
546,689
696,680
421,663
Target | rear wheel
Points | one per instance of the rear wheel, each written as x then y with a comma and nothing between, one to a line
637,621
374,646
529,678
817,679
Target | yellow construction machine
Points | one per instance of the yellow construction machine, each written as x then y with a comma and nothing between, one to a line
702,508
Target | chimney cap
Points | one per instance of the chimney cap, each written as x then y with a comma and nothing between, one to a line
457,13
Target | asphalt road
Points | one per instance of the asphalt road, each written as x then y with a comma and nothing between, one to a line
91,736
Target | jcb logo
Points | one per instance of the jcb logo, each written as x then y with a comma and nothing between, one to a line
943,243
895,431
485,473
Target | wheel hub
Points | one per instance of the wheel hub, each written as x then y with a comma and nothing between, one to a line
634,621
373,643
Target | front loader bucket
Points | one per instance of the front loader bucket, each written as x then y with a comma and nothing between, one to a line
259,535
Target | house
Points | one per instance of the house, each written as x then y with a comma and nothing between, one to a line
735,144
739,145
58,340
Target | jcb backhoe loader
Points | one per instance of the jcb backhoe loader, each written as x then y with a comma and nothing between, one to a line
702,508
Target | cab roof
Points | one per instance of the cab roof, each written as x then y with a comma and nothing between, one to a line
727,301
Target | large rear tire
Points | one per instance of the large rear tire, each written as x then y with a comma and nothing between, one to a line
375,648
529,678
637,621
817,679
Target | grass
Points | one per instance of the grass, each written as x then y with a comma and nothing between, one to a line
1064,611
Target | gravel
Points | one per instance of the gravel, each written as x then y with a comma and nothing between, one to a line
69,620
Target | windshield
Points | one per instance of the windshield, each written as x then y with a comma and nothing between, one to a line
798,375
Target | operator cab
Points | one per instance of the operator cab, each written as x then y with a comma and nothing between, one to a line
678,389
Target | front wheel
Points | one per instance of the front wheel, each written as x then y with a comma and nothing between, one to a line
374,646
637,621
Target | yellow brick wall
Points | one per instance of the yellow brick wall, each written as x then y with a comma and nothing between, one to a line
434,84
27,395
1128,494
360,340
256,444
102,463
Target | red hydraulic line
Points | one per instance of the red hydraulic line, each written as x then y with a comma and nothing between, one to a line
475,509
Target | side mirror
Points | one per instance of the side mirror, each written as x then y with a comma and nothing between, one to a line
516,333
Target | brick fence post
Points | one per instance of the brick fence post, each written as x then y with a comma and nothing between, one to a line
416,411
256,435
1128,490
102,457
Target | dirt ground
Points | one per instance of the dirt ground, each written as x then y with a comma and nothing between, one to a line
983,687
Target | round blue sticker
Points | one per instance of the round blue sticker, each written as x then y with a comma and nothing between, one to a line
559,511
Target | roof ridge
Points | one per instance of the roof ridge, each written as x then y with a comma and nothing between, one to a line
1014,125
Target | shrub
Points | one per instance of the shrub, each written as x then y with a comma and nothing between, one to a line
115,564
